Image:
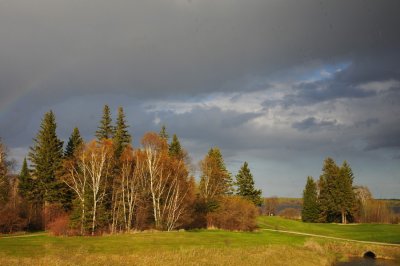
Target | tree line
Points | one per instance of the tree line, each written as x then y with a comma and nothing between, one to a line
107,185
334,198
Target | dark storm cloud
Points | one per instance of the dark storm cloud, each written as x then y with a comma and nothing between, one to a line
348,83
158,48
312,124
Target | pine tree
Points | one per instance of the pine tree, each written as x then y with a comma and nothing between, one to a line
175,149
121,134
310,211
75,140
245,185
46,156
105,130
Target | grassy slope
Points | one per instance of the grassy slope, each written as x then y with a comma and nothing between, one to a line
389,233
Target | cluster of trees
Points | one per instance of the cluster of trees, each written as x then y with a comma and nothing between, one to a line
333,198
107,185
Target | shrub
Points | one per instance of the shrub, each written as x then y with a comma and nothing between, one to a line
10,220
60,226
234,213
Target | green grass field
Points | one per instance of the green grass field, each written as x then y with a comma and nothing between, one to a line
202,247
389,233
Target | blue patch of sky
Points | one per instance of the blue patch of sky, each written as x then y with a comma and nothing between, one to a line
326,71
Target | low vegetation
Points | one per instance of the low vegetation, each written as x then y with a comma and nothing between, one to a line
199,247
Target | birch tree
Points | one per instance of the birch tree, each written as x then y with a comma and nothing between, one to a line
98,165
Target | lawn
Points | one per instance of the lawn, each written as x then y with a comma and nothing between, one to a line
199,247
389,233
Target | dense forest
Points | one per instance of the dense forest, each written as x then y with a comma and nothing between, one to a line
107,185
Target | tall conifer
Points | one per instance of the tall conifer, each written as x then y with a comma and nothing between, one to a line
121,134
105,129
46,155
75,140
175,148
245,185
310,211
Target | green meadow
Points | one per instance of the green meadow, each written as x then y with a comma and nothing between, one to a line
389,233
204,247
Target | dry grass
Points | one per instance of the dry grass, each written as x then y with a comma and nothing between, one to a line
264,255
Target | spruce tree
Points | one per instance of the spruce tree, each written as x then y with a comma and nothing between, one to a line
218,175
327,191
121,134
75,140
310,211
175,149
245,185
346,196
105,130
46,156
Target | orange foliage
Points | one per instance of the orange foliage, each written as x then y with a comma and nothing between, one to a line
234,213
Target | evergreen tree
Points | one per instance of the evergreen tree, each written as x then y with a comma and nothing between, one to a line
46,156
121,134
163,133
336,196
327,191
105,130
310,211
175,149
25,184
345,196
215,180
75,140
245,185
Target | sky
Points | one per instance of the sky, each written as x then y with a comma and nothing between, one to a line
280,84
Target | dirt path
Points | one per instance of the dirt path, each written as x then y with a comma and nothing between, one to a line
332,237
31,235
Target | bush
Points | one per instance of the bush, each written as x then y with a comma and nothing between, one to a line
10,220
60,226
234,213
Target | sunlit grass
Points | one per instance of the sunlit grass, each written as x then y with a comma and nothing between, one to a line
389,233
200,247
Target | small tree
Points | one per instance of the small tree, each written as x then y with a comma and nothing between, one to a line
245,185
310,211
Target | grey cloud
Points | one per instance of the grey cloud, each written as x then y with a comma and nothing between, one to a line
312,124
370,122
159,48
